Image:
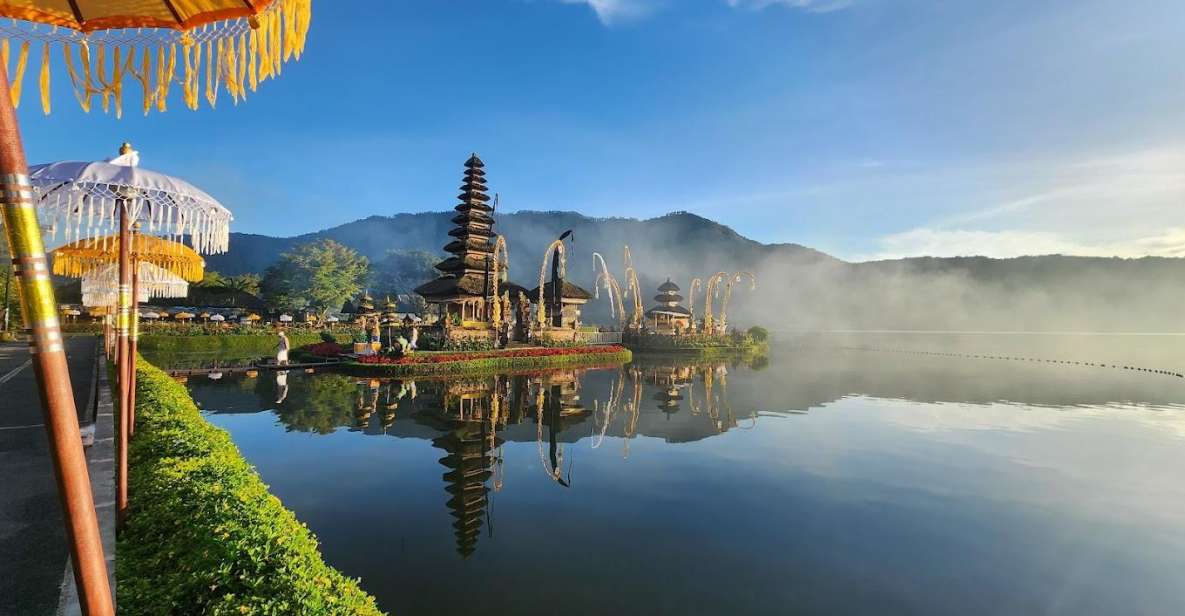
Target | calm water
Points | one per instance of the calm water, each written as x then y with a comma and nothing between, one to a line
845,475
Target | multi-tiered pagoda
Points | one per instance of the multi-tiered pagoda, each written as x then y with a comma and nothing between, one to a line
465,285
669,316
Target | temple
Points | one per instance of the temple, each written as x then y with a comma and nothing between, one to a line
669,316
472,296
462,291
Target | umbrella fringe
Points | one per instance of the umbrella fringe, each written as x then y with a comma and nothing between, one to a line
239,55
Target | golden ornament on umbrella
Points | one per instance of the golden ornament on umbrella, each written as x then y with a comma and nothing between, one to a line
105,45
206,46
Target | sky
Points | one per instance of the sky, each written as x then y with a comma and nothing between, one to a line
864,128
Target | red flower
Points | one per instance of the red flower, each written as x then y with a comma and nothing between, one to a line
324,349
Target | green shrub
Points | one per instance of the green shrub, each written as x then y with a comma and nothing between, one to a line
203,535
759,333
261,343
328,337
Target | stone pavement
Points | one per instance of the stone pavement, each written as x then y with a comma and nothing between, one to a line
33,553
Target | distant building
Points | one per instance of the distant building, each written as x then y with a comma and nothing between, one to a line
669,316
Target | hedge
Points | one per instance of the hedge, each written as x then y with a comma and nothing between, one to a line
262,343
203,534
491,364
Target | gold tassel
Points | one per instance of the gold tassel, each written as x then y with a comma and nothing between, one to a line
164,76
81,92
143,75
242,78
45,98
265,45
18,78
211,74
289,17
101,77
277,44
253,59
116,87
193,64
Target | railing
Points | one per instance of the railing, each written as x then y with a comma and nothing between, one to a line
600,337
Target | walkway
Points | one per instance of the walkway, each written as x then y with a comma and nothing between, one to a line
32,541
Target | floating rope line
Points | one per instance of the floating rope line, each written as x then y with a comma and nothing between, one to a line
239,54
1063,362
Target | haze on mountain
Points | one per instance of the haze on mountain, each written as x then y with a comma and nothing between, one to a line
799,288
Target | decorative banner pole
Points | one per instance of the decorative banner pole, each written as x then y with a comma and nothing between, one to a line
49,360
135,334
123,324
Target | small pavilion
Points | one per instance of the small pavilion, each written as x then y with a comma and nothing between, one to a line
669,317
572,299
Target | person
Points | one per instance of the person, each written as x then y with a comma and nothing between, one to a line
282,350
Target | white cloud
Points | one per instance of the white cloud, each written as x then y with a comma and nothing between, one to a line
610,11
1017,243
613,11
810,6
1122,205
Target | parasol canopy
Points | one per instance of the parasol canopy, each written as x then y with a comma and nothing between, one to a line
78,258
218,318
205,46
100,286
82,198
285,318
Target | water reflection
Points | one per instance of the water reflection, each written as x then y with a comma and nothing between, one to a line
863,481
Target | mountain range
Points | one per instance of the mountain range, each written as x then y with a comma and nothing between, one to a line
798,287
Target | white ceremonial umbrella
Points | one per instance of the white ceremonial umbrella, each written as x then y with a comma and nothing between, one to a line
285,318
80,198
217,318
149,315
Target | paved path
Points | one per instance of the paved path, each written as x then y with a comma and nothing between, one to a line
32,540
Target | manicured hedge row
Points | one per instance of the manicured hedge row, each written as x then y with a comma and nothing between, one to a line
263,343
203,534
493,364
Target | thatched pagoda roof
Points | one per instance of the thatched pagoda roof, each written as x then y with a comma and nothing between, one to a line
668,297
568,291
668,287
676,311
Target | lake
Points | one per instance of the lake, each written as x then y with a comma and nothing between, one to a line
844,474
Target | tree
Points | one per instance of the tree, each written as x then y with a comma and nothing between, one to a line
320,276
210,279
247,283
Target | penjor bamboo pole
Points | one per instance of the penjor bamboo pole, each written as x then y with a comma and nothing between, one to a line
122,326
49,361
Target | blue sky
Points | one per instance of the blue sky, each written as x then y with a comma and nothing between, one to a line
865,128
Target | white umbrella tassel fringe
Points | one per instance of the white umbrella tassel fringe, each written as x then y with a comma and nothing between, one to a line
81,199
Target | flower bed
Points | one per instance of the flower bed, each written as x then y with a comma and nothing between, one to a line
513,359
442,358
324,349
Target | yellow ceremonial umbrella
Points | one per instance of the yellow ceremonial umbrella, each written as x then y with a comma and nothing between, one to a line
105,45
81,257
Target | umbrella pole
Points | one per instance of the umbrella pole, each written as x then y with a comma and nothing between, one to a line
133,344
122,323
38,307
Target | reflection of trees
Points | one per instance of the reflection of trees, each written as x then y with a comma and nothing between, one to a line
321,404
